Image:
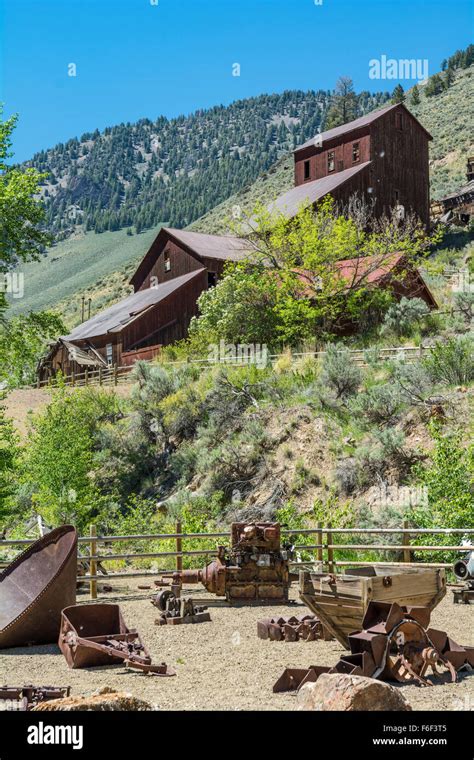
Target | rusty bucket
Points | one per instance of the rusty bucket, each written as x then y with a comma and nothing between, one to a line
35,587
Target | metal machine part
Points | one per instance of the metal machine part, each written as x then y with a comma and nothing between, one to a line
395,644
96,634
35,587
306,628
22,698
182,610
255,568
463,569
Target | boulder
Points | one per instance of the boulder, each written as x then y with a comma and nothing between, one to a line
339,691
104,700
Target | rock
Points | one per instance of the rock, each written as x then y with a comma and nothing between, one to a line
103,700
339,691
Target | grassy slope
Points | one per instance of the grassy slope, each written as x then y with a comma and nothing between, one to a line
100,265
94,265
449,118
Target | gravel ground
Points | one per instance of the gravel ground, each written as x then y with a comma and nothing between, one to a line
222,664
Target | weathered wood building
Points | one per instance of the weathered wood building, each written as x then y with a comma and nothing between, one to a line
383,156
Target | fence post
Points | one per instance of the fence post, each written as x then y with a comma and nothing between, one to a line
330,551
115,375
73,379
406,542
319,540
179,547
93,562
100,375
86,376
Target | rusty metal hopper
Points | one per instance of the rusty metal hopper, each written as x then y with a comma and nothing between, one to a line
35,587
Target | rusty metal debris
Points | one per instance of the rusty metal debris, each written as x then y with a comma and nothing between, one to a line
182,610
254,569
395,644
96,634
35,587
27,697
306,628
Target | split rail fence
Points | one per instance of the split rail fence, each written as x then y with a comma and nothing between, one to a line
115,375
324,549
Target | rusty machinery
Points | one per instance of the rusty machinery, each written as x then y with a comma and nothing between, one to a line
395,644
96,634
183,610
24,698
305,628
463,569
255,569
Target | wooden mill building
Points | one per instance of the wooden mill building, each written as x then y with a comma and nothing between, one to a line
383,155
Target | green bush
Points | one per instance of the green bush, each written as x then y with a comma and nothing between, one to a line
404,318
451,362
339,373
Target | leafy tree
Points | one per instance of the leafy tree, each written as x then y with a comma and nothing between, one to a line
398,95
59,456
23,340
21,215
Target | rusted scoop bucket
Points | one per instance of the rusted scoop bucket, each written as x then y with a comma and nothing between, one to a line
35,587
96,634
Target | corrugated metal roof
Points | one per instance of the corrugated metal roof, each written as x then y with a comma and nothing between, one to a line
291,202
362,121
223,247
116,317
81,357
469,188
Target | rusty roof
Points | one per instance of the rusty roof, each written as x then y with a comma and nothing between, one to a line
117,316
362,121
290,202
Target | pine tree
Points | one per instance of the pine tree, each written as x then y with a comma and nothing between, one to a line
398,95
344,104
415,96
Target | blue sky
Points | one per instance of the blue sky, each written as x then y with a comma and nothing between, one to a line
137,58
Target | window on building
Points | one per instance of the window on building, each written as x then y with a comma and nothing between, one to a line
398,120
211,279
167,261
331,161
109,353
307,170
396,195
355,152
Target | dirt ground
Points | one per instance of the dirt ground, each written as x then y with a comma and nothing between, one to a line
222,664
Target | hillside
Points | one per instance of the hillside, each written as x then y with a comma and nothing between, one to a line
78,265
178,169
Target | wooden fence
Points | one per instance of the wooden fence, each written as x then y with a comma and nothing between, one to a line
114,375
324,551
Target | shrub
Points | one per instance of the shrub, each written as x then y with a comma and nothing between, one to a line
404,318
464,302
346,475
379,404
452,362
339,373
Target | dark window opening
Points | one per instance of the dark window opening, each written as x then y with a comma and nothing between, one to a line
355,152
398,120
167,262
331,161
396,196
211,279
307,170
